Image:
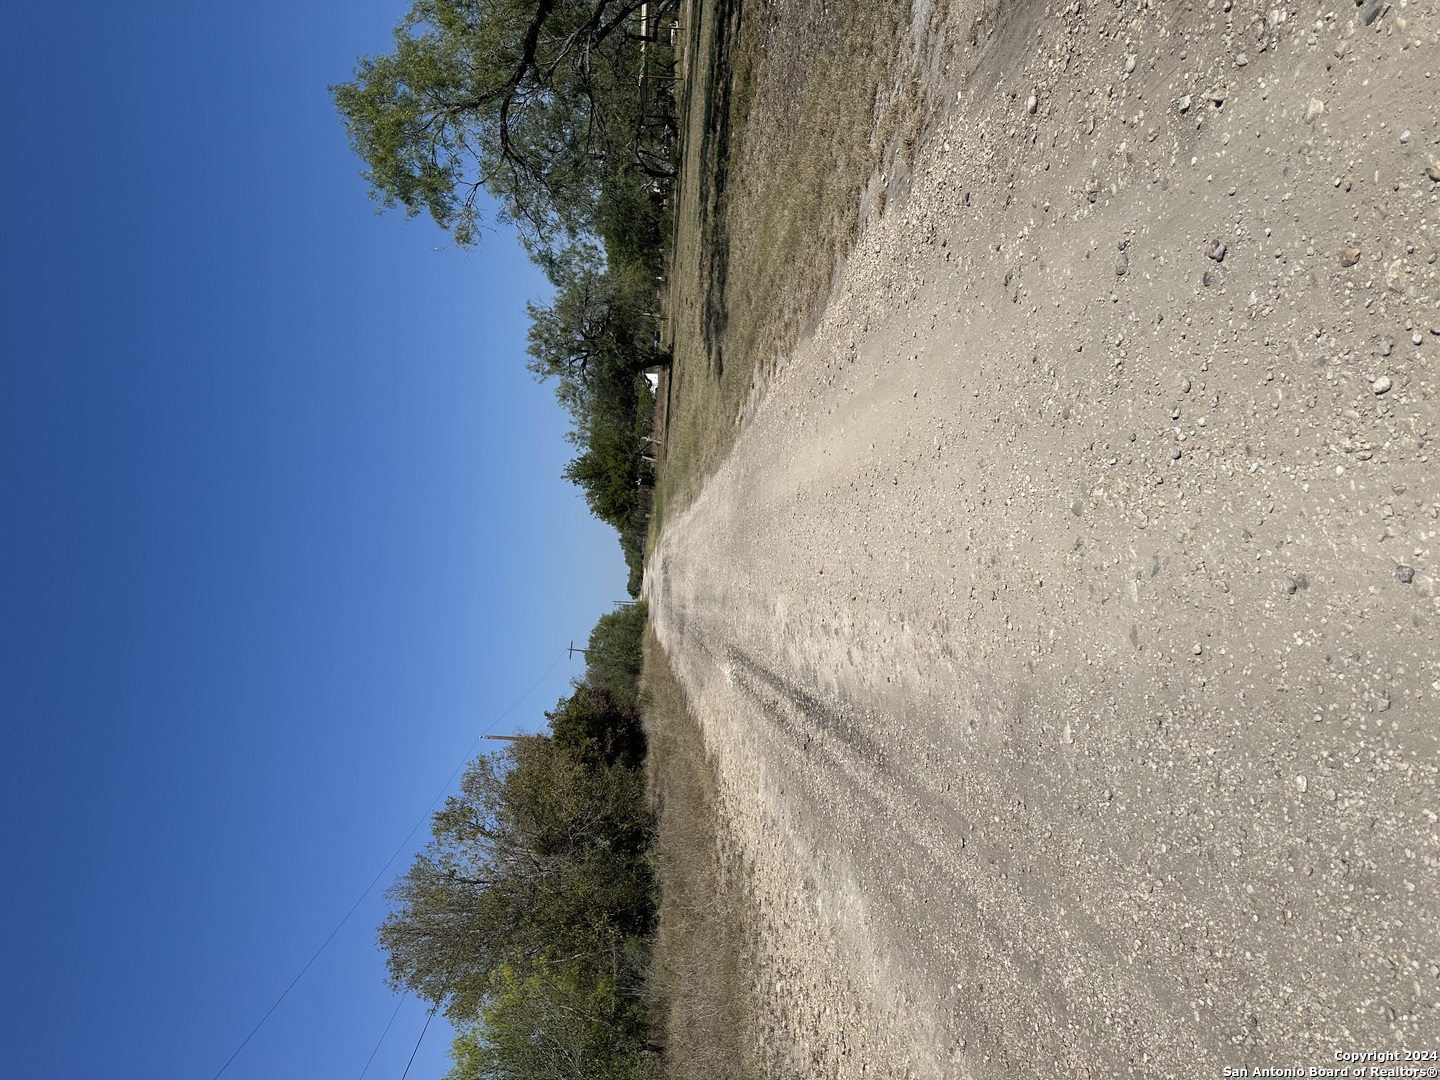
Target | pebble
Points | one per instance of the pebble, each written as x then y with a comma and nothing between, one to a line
1349,256
1241,60
1290,585
1122,264
1404,136
1129,63
1197,650
1433,170
1386,347
1175,454
1416,339
1218,251
1406,574
1313,110
1184,104
1382,384
1184,386
1031,104
1301,784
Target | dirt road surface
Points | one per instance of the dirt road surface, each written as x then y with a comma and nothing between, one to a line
1064,622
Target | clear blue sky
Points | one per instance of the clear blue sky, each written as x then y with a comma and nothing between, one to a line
282,529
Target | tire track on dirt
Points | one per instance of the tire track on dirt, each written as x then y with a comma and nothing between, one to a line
1063,626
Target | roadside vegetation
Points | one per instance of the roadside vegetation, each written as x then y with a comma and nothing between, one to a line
560,112
575,914
528,917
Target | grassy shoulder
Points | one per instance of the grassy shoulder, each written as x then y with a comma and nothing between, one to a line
785,122
699,983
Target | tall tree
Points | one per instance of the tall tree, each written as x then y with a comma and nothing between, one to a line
531,100
596,319
555,1024
538,858
615,652
600,725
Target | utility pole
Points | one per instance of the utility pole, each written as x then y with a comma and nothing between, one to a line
583,652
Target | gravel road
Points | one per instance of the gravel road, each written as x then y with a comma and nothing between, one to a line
1064,622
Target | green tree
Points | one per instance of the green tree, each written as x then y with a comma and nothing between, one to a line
607,475
600,726
607,412
540,856
549,1023
534,101
631,217
614,653
594,327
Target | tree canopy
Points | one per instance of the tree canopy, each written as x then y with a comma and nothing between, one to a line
596,321
536,860
526,917
534,101
542,104
613,655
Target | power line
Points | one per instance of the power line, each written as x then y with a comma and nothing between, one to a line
418,1042
375,880
382,1035
512,708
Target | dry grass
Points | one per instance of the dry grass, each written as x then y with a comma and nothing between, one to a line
699,982
789,110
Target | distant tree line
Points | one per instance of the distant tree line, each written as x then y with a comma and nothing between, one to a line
526,918
546,106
